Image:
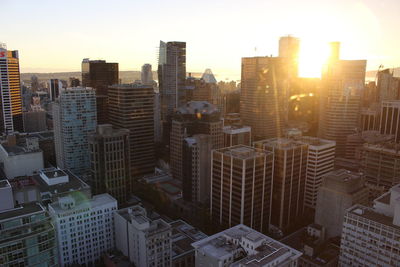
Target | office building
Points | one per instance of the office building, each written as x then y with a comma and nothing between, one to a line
110,164
27,237
343,82
20,157
340,190
289,179
263,90
85,228
35,121
243,246
183,235
55,86
390,119
74,118
371,236
237,135
289,48
388,86
171,80
11,101
147,75
241,187
320,161
132,107
145,241
370,119
196,168
381,165
196,117
74,82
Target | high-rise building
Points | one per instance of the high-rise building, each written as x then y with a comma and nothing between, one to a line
340,190
388,87
390,119
196,117
34,83
99,75
196,168
132,107
74,118
85,227
241,187
110,164
370,119
74,82
263,89
371,236
145,241
243,246
237,135
289,48
340,105
171,79
10,87
27,237
147,75
55,86
289,179
320,161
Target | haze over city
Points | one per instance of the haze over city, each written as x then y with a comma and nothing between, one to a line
54,36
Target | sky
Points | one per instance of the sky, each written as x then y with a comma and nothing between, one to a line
54,36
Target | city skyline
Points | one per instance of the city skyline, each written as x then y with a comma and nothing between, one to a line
115,34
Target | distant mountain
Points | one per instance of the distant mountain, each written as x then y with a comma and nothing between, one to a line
125,76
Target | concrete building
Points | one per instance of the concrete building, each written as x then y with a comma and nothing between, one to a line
74,117
132,107
19,159
388,87
85,227
262,95
196,117
183,235
237,135
381,165
196,168
371,236
6,195
390,119
320,161
27,237
289,179
340,190
110,162
241,187
243,246
145,241
370,118
35,121
47,185
340,104
55,86
147,75
11,100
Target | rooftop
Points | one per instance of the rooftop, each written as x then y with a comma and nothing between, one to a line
81,202
371,214
242,152
198,107
21,210
183,235
279,143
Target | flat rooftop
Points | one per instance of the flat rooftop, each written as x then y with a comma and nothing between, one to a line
22,210
280,143
242,152
83,202
371,214
183,235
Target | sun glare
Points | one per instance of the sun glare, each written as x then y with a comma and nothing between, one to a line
313,55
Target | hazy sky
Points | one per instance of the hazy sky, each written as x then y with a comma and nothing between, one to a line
56,35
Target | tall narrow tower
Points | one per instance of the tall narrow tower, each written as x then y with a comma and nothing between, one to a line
10,87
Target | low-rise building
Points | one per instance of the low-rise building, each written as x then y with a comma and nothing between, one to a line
242,246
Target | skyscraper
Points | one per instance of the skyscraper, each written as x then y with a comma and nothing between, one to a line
390,119
196,117
241,187
289,179
289,48
55,86
74,118
110,164
171,79
132,107
99,75
340,104
10,87
262,95
147,74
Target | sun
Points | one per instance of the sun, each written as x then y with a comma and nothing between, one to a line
313,55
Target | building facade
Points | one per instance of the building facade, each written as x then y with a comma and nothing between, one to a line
110,162
241,187
147,75
131,106
10,87
390,119
74,117
237,135
85,227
